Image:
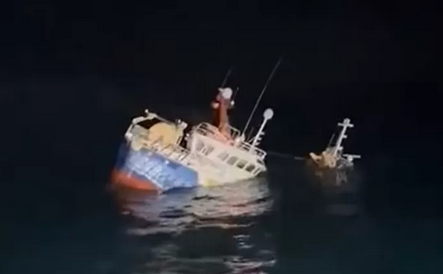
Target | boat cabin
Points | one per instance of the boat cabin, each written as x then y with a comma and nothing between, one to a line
235,155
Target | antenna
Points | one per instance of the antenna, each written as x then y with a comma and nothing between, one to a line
226,77
235,93
261,94
267,115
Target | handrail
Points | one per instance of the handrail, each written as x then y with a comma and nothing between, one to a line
149,139
234,133
210,131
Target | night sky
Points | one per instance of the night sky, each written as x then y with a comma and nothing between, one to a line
74,74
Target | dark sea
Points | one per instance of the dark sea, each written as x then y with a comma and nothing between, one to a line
284,223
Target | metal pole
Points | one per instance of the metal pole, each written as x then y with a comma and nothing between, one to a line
261,94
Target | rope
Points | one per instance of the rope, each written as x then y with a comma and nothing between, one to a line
284,155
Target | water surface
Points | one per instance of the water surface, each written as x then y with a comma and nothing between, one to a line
280,224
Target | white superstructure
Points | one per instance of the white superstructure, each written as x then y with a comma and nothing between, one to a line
225,160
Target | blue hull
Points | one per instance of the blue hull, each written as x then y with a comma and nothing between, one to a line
149,170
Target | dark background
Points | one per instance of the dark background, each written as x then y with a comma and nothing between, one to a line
74,74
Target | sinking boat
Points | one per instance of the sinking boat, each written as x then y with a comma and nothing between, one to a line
332,157
335,177
157,155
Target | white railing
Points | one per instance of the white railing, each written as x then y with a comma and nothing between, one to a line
206,127
154,141
210,131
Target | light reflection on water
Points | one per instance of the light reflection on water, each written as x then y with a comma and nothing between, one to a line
205,230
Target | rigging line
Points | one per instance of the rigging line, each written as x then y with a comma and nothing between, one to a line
284,155
249,138
330,140
261,94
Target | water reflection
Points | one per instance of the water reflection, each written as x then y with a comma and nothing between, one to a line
202,230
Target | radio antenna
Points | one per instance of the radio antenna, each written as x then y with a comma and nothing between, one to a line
261,94
235,93
226,77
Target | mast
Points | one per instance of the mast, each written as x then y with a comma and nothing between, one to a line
346,123
226,78
221,105
267,115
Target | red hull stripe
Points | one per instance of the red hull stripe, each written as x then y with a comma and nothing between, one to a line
123,178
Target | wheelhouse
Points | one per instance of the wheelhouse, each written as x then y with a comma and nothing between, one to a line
229,153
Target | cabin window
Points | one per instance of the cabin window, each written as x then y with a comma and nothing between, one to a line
232,160
250,168
241,164
223,156
208,150
200,146
260,161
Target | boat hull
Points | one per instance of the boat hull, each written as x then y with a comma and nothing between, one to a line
146,169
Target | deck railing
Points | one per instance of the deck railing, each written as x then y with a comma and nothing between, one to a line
154,141
210,131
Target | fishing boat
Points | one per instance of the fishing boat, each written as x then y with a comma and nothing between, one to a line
332,157
157,155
